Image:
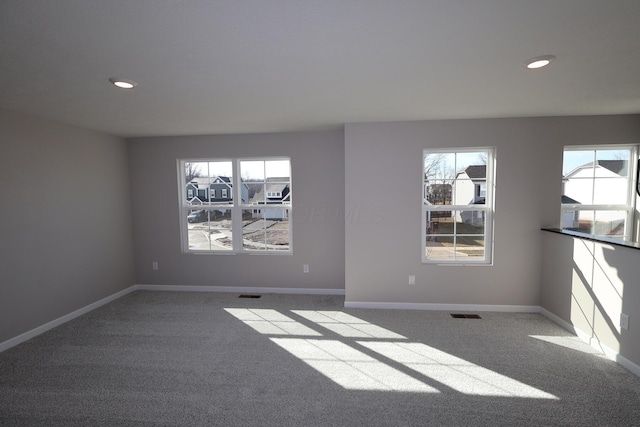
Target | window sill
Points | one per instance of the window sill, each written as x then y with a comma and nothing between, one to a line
622,243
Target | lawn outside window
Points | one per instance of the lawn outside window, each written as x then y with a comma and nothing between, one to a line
598,192
235,205
457,206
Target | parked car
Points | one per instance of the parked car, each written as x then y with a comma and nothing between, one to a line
198,216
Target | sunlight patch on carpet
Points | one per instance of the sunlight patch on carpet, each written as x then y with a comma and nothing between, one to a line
349,367
346,325
458,374
271,322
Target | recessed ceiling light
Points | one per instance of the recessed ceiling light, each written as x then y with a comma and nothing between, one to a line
539,61
123,83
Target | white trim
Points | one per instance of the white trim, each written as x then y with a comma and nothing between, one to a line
12,342
628,364
443,307
239,289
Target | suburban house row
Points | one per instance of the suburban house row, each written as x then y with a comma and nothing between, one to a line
219,189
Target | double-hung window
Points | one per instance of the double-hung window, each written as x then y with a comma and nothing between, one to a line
457,206
242,219
598,195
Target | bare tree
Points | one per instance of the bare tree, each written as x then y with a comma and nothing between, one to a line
438,179
432,165
191,171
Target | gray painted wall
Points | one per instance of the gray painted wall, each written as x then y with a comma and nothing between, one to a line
65,223
317,164
588,285
383,188
356,217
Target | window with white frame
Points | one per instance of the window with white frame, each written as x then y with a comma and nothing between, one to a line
242,221
598,192
457,207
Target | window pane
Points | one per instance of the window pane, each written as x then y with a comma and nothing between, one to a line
596,176
618,158
573,159
470,222
278,236
277,169
470,247
457,178
439,222
439,166
464,160
578,189
266,229
612,190
459,248
598,223
438,192
252,170
205,180
268,182
471,178
209,230
600,177
609,223
439,248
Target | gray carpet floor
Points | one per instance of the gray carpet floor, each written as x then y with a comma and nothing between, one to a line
178,358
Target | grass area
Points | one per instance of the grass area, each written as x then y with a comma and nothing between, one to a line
442,233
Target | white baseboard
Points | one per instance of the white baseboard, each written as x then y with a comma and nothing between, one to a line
556,319
238,289
443,307
632,367
609,353
12,342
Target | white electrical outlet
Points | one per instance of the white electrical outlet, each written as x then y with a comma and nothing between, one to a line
624,321
412,280
154,265
305,268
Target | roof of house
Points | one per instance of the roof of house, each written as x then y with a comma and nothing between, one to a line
475,171
270,188
620,167
569,200
205,181
616,166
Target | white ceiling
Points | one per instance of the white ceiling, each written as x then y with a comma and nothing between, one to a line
240,66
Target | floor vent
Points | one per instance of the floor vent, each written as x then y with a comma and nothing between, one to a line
249,296
466,316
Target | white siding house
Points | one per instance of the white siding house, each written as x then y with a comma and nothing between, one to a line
471,189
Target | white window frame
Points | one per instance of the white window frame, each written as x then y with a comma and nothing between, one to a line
488,208
236,206
631,226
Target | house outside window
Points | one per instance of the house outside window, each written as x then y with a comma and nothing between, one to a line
457,207
270,202
233,223
597,191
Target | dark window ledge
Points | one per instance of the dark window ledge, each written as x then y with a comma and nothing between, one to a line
583,236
